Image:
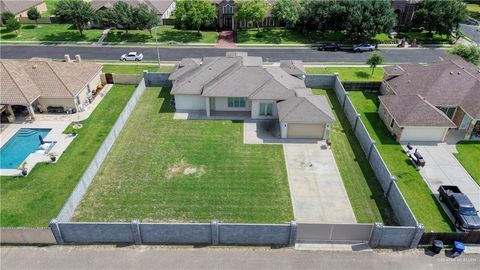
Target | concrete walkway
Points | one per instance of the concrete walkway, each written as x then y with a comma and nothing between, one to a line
102,37
316,187
226,39
442,168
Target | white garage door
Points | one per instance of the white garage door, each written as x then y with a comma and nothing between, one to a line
305,131
190,102
422,134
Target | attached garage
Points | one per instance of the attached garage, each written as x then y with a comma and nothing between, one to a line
423,134
307,117
305,131
190,102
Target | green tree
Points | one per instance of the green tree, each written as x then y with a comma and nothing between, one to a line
442,17
13,25
145,18
77,12
106,18
251,11
367,18
374,60
287,11
194,13
33,14
124,15
323,15
469,53
7,15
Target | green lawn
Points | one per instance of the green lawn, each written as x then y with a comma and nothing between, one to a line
351,74
161,169
424,205
134,68
165,34
36,199
474,10
51,4
469,156
422,36
49,32
363,188
271,36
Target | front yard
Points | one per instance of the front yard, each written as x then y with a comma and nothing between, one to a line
424,205
363,188
134,68
271,36
49,32
474,10
34,200
165,33
469,156
161,169
350,74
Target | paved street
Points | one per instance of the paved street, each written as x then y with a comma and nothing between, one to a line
175,54
472,31
152,257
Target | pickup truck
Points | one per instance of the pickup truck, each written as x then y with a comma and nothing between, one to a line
466,216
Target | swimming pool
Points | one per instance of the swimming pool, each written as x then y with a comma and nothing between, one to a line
22,144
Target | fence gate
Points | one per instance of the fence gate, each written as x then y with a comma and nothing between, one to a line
109,78
333,233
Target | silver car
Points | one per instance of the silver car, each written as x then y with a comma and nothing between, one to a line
364,47
132,56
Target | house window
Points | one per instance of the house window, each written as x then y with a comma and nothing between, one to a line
266,109
271,22
227,9
243,24
449,111
265,22
237,102
392,123
249,24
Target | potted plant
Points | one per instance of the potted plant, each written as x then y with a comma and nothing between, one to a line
23,168
53,156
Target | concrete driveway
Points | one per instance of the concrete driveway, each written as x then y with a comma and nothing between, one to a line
316,187
442,168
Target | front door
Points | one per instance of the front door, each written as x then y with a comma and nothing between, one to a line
227,22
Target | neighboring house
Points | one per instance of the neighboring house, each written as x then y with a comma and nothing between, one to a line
226,10
428,103
21,7
240,83
404,10
37,84
163,8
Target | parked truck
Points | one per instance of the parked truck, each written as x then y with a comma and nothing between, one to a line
463,210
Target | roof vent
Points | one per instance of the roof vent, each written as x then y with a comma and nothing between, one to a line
34,67
459,73
451,72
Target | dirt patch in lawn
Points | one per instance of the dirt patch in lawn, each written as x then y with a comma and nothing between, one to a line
183,168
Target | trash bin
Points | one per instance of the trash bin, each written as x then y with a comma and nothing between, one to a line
437,246
457,249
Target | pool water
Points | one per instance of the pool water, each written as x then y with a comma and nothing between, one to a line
22,144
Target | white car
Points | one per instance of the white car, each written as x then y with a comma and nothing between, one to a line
364,47
132,56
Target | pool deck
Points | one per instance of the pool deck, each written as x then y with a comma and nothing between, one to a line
56,135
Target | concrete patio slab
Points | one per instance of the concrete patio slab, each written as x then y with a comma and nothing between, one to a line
317,190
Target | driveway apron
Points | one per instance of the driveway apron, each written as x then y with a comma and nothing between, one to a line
316,187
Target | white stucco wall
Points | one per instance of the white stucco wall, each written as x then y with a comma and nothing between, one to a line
256,109
221,104
423,134
64,102
190,102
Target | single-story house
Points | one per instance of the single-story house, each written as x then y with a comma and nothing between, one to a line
21,7
163,8
38,84
425,102
240,83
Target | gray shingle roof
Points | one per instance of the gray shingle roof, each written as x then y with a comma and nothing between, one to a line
24,81
311,109
450,83
415,111
17,6
293,67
